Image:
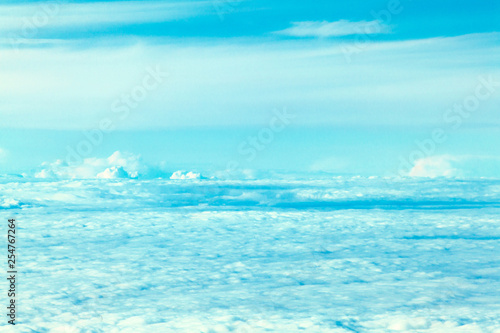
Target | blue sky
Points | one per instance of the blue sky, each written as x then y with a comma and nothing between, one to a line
221,18
384,72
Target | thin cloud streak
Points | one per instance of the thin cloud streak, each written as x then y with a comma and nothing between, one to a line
225,82
61,14
335,29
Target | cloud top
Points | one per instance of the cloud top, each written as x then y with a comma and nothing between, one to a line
182,175
118,165
456,166
435,166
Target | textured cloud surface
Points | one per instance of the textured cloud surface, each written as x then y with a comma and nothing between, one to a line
339,255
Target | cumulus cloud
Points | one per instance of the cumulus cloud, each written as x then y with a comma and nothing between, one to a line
456,166
122,165
335,29
435,166
113,173
181,175
118,165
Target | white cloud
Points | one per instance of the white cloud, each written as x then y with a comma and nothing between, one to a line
118,165
456,166
9,203
114,173
337,28
435,166
25,19
238,83
182,175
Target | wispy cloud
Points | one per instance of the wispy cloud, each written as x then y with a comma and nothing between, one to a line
335,29
59,14
232,82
